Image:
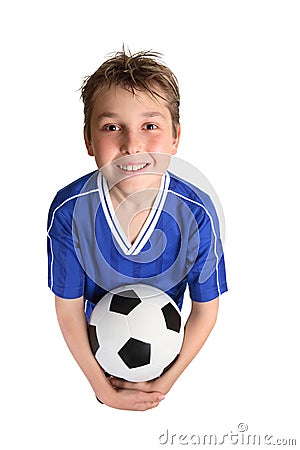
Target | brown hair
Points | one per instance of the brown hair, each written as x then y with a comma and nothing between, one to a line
142,71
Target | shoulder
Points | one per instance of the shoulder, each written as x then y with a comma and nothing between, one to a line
83,185
65,199
188,197
190,194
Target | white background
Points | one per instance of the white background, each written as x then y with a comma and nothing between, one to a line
238,67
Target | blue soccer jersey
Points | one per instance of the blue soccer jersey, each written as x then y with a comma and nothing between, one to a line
179,244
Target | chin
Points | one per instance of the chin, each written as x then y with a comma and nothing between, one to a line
135,183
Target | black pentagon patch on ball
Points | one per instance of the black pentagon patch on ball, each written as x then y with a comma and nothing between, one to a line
172,317
135,353
94,343
124,302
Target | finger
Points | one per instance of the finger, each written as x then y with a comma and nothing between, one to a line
148,401
122,384
116,382
138,400
148,405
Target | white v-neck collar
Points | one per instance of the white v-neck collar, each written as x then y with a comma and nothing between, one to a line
147,228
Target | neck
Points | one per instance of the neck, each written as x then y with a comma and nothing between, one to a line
133,208
135,196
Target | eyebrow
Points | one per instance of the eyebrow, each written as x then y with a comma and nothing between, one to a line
109,115
153,114
112,115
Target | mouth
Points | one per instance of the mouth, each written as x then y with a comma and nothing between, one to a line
132,168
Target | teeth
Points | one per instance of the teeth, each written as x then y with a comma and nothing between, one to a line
133,168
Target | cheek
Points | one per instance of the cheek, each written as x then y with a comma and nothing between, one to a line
104,146
161,144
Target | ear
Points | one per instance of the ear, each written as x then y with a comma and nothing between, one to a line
176,140
88,144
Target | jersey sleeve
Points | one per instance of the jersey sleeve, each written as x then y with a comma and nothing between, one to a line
66,277
207,277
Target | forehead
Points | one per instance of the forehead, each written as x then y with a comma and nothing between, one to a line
119,98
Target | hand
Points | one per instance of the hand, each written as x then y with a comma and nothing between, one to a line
145,386
133,399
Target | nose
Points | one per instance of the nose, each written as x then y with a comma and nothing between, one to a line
131,143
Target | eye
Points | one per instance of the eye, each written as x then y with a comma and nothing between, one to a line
111,127
150,126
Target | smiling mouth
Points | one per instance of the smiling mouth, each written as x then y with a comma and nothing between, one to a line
133,167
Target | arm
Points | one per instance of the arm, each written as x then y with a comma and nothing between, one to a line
73,325
197,329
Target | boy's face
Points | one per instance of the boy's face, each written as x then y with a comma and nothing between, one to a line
131,135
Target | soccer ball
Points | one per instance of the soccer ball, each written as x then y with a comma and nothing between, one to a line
136,332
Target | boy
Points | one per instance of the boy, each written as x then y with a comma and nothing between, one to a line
131,221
